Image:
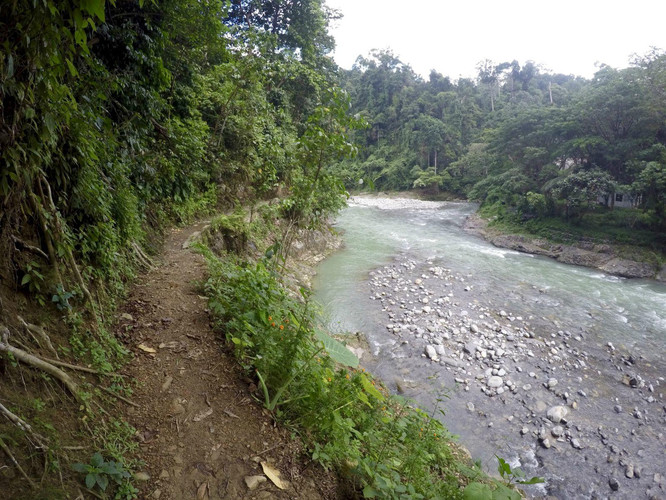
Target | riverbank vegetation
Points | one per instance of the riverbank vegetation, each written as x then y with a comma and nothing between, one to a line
379,443
550,150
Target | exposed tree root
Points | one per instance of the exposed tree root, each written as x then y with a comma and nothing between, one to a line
81,368
22,424
31,248
7,451
108,391
39,334
68,251
141,257
36,362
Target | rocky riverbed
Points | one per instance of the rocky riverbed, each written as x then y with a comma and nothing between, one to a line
564,404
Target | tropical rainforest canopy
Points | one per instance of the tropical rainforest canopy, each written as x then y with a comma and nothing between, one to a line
119,116
517,136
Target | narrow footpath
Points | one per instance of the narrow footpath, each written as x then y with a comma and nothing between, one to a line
202,435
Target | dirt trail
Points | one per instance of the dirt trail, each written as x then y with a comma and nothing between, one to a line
202,435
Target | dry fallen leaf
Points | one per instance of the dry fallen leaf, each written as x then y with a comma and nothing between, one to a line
274,475
145,348
203,415
203,493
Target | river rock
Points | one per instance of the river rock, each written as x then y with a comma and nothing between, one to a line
252,482
557,431
453,362
495,382
557,413
613,483
470,348
431,352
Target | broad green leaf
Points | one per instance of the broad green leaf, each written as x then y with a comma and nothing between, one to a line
72,69
80,467
371,389
50,123
91,479
477,491
336,350
504,493
103,481
534,480
369,492
97,460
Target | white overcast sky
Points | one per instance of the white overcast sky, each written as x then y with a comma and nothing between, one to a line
564,36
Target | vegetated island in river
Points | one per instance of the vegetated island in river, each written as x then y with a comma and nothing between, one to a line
606,257
619,259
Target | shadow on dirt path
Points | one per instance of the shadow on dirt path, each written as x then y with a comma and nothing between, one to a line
202,435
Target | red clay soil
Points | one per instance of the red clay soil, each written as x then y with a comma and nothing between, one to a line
202,434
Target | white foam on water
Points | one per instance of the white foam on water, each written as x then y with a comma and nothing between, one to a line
393,203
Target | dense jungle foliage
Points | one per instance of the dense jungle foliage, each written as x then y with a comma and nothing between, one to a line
517,138
118,116
117,119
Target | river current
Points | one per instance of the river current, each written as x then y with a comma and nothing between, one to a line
412,279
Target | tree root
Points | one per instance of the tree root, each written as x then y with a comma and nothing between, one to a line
143,259
109,391
81,368
38,333
31,248
7,451
36,362
68,251
23,425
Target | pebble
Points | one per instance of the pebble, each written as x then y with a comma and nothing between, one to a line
557,413
252,482
614,485
495,382
431,352
557,431
167,383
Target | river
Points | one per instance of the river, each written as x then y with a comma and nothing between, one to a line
557,368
